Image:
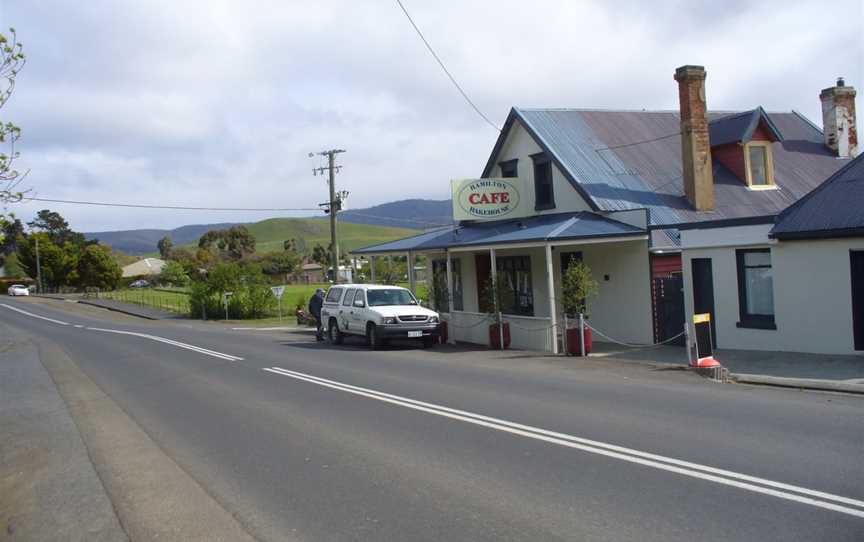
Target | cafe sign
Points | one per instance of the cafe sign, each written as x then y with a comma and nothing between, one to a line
486,199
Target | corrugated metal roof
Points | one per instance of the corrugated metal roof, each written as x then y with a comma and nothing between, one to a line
552,227
836,207
739,128
632,159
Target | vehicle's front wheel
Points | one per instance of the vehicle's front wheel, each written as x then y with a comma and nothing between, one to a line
334,334
373,338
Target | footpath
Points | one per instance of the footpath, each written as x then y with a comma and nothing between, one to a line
783,369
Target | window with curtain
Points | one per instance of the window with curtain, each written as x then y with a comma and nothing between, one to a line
755,288
514,275
439,278
758,166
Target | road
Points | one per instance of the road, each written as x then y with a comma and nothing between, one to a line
295,440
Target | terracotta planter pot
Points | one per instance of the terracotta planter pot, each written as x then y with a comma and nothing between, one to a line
574,341
494,336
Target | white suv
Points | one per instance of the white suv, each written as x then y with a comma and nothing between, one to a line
378,313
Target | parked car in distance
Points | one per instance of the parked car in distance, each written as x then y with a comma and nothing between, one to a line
140,283
378,313
18,289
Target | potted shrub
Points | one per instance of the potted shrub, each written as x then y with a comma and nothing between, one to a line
577,286
490,300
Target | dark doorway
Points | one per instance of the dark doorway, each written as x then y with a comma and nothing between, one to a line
668,309
857,267
483,266
703,292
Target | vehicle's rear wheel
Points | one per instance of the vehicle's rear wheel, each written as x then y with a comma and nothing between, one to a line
373,338
333,333
428,342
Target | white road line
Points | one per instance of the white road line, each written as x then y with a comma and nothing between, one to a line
192,347
694,470
16,309
279,328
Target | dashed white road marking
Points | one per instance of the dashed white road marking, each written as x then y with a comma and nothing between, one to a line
278,328
820,499
172,342
200,350
22,311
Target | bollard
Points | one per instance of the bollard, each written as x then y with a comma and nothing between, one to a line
582,334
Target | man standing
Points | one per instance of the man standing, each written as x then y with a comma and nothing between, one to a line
315,310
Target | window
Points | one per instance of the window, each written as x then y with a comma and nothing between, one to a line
333,295
544,195
349,297
759,165
514,276
439,278
390,296
509,168
755,289
358,299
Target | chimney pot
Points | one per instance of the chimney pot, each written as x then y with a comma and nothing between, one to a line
695,143
839,124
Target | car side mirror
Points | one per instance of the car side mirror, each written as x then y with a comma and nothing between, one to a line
359,303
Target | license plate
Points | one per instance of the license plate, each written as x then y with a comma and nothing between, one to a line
415,333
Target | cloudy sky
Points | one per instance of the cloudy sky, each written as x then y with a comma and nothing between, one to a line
216,103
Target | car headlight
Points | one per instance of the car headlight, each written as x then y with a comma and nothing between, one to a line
389,320
433,320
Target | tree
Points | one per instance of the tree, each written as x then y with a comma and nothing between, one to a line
11,61
10,230
233,244
97,268
577,286
56,227
320,255
59,264
165,246
279,263
173,273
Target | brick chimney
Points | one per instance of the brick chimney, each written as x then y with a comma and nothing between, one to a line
838,119
695,146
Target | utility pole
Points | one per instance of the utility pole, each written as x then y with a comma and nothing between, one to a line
333,206
38,268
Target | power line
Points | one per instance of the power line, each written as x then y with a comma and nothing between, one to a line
170,207
634,143
446,71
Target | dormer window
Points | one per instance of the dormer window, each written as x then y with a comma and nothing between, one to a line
509,168
544,194
742,143
759,165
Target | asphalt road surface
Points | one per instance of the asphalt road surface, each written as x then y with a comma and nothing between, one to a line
297,440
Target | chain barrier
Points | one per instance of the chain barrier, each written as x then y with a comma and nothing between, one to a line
641,346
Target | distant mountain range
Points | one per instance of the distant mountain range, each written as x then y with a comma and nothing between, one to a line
396,219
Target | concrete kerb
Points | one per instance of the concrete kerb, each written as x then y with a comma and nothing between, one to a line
799,383
129,311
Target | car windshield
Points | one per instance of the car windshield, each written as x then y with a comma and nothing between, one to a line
393,296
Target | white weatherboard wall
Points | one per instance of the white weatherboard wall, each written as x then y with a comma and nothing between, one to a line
520,145
622,308
812,296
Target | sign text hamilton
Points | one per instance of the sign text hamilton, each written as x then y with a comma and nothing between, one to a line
487,198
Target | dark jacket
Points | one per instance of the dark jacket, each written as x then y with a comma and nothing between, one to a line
315,305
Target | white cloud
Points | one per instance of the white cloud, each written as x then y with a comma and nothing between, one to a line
217,103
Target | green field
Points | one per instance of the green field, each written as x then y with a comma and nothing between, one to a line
271,233
177,299
172,301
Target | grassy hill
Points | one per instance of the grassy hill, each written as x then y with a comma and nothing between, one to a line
271,233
